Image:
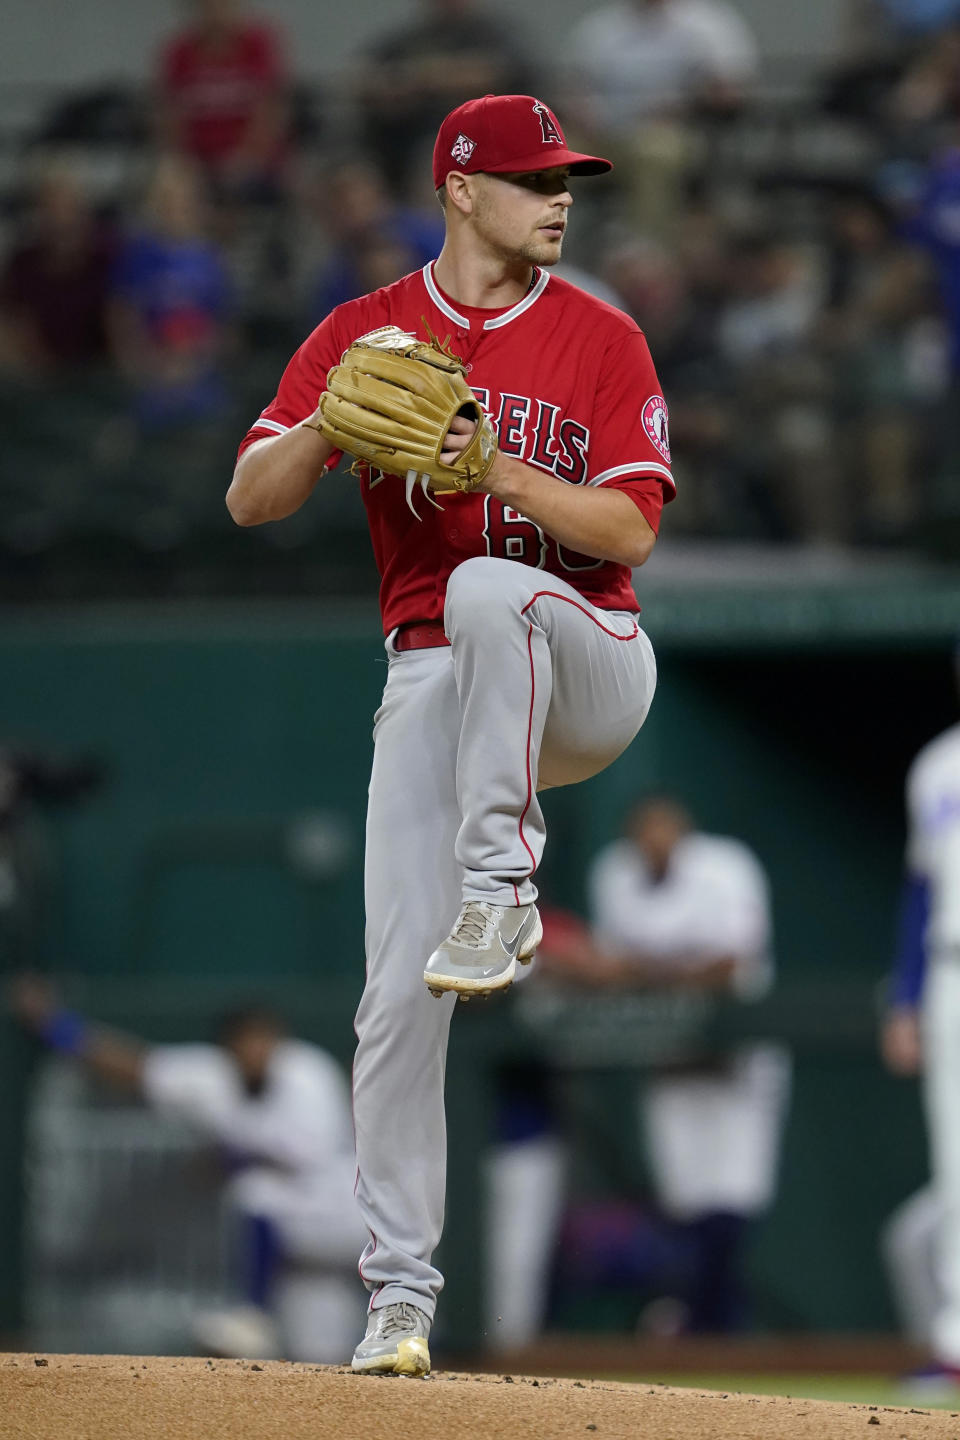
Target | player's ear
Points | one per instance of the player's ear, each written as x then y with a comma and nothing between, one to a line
460,190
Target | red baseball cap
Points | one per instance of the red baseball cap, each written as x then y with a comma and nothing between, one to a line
500,134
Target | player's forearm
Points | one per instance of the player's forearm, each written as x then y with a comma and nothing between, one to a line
276,475
118,1059
901,1040
110,1056
595,521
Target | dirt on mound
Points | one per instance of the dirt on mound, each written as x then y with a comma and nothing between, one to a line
109,1397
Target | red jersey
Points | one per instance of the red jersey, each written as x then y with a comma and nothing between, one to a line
218,88
570,386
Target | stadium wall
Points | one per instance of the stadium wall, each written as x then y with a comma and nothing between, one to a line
227,838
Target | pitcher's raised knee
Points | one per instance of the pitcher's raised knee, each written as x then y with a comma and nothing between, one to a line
480,587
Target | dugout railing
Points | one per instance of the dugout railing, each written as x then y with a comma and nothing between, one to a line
125,1238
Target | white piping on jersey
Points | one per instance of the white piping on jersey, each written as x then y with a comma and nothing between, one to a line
273,425
497,320
639,468
438,299
524,304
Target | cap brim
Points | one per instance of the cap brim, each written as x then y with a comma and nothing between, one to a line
579,164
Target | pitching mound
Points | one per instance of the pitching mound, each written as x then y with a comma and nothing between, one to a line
107,1397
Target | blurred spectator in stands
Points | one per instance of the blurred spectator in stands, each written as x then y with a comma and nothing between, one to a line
680,324
891,32
859,242
644,68
934,225
781,388
593,284
888,353
381,259
415,75
372,239
772,304
879,43
54,284
674,908
911,17
929,91
278,1110
642,58
171,305
734,319
675,295
224,100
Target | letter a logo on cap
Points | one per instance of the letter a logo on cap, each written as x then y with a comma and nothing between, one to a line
549,126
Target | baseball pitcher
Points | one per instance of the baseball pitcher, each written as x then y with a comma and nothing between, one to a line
510,443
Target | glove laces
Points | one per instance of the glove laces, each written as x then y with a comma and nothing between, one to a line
413,479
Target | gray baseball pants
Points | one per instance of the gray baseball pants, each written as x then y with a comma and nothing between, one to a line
537,688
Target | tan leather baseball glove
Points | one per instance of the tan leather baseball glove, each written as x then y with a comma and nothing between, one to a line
390,403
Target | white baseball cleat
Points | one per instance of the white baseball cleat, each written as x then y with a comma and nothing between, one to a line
395,1342
481,952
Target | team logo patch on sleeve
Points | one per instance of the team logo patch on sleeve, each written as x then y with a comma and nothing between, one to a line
462,148
655,424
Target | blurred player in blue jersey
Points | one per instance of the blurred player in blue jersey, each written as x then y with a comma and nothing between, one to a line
921,1033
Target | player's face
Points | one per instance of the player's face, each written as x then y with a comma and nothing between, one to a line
524,215
252,1048
656,829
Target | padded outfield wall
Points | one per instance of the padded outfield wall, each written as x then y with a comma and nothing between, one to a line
222,857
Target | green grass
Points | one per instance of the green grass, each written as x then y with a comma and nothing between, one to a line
854,1389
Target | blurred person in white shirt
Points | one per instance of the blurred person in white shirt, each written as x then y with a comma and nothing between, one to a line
644,71
278,1111
644,58
674,908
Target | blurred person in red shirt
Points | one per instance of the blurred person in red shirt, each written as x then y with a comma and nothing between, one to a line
223,99
53,286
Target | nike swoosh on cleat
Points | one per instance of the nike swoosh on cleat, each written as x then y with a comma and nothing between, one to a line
515,943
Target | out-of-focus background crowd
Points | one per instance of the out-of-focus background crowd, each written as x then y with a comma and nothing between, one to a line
783,227
671,1143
